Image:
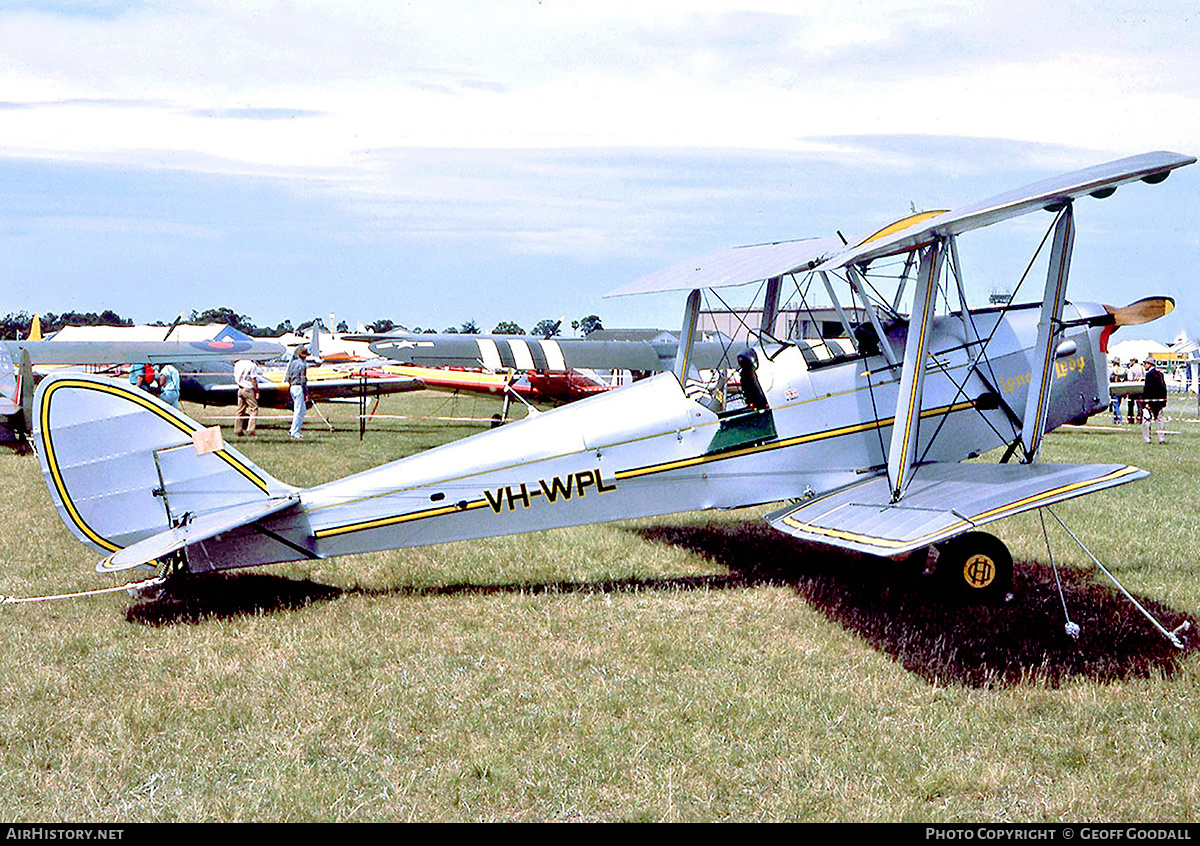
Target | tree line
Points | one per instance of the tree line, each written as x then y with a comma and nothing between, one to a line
16,326
545,328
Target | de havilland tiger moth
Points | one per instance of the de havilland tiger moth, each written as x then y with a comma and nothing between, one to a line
866,441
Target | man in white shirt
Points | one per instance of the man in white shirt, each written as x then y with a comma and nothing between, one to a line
245,375
1135,373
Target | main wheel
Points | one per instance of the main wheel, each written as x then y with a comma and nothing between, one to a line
976,567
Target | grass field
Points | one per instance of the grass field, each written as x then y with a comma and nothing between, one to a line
695,667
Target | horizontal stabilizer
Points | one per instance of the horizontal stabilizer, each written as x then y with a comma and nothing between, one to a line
210,525
943,500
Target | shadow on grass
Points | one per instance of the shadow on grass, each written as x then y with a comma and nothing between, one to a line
219,596
892,606
898,609
216,596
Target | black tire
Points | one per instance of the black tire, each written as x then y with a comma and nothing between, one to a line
975,567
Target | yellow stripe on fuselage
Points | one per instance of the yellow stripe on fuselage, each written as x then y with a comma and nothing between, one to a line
399,518
647,470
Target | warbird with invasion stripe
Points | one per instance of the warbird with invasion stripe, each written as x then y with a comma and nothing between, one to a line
863,436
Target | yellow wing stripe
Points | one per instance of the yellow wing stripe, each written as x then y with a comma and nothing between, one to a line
902,224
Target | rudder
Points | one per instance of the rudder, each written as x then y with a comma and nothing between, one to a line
123,466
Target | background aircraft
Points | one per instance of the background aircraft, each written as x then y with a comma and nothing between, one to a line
211,383
532,386
526,353
228,344
551,370
222,349
16,399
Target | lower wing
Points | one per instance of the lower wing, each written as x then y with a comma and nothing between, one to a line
942,501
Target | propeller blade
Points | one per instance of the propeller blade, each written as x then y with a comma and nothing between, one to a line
1142,311
178,320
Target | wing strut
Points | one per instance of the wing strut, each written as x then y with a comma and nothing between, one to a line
687,336
912,374
861,292
770,312
841,313
1037,402
968,322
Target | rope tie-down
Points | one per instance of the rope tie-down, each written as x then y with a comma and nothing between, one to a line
162,574
1072,628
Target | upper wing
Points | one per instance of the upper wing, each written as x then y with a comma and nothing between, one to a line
746,265
1098,181
943,500
737,266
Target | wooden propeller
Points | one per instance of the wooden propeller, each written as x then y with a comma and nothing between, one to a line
1134,314
1142,311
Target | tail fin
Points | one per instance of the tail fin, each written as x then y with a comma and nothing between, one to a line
123,466
14,423
25,386
10,385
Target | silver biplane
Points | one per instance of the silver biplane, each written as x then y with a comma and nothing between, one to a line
867,438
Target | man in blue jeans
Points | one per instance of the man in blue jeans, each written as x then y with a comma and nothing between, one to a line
297,379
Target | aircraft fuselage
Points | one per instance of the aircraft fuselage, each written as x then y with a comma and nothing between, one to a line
647,449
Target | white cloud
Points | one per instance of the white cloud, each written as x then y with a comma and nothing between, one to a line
203,78
538,128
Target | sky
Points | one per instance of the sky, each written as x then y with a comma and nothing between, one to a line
437,162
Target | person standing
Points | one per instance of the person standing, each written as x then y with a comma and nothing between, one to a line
1155,397
143,376
297,379
1116,373
245,376
168,384
1135,373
